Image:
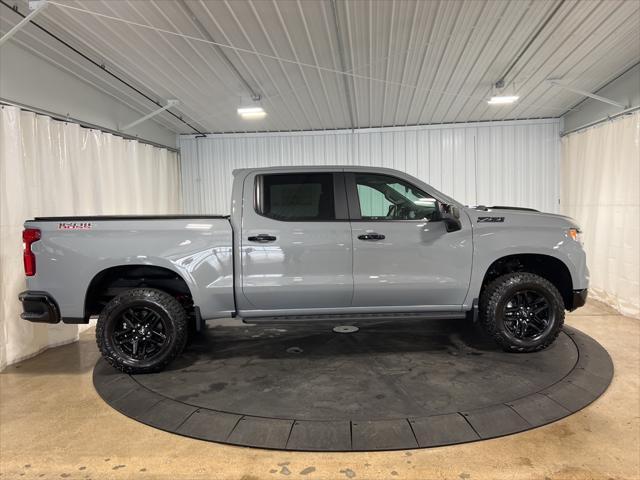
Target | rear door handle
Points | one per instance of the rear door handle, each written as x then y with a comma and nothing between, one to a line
371,236
262,238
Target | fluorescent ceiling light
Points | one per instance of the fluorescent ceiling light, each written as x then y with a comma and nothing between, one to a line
254,115
503,99
243,110
251,112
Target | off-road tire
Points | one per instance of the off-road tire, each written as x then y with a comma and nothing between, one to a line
492,301
166,306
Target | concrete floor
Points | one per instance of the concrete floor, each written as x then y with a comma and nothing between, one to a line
53,425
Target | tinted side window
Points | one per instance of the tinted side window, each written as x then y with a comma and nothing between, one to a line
387,198
297,197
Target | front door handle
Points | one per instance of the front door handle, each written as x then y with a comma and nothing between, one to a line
371,236
262,238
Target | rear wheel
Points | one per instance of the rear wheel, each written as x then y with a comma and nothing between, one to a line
522,311
142,330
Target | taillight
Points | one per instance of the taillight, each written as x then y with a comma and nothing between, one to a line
29,236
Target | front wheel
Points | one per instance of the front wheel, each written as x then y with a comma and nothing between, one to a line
142,330
522,311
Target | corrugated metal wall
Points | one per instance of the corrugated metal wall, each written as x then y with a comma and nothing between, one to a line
499,163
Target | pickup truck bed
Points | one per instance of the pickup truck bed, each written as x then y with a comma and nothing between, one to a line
75,255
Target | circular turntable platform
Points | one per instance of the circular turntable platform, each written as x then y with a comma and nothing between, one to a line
389,385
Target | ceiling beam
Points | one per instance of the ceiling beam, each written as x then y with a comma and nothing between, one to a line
343,68
100,66
587,94
255,95
501,81
170,103
36,7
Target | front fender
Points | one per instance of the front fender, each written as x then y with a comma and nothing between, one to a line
492,243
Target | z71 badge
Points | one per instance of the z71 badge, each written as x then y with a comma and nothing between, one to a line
75,226
490,219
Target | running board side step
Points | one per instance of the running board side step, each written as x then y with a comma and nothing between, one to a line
349,317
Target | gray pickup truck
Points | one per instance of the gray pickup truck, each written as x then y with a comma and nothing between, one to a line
305,244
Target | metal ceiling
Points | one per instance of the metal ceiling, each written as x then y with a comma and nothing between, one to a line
328,64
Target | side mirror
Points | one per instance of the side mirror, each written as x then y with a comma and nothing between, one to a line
450,215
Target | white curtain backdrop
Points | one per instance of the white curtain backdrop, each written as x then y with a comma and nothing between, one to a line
600,188
52,168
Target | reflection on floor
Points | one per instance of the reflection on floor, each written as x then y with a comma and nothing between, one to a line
52,424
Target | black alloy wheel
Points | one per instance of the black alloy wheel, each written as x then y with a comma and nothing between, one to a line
527,315
140,333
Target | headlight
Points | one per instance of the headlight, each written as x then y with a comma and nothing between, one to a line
575,234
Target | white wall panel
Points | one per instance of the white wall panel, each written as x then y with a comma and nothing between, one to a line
498,163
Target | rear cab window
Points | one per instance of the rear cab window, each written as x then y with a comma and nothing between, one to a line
296,197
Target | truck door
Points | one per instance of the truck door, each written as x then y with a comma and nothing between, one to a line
296,242
403,254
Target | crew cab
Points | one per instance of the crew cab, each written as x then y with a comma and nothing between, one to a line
305,244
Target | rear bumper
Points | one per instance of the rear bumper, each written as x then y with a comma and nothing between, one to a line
39,307
579,298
